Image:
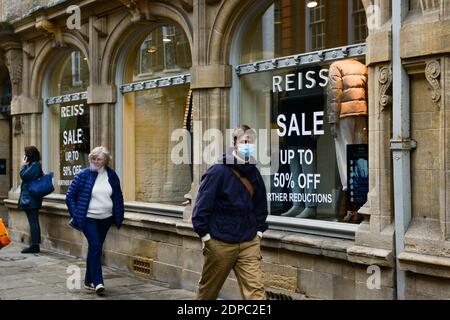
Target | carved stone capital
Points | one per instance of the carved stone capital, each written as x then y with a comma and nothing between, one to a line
385,91
139,10
433,73
14,63
51,29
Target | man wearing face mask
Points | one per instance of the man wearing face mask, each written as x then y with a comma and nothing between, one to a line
230,217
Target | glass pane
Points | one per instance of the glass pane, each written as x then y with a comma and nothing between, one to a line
71,76
69,127
163,52
74,141
311,177
288,27
158,112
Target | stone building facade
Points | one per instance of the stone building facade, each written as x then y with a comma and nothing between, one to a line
128,73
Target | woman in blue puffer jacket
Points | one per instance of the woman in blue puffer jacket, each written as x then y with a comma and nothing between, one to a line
95,202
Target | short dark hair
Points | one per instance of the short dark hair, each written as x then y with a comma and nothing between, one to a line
240,130
32,154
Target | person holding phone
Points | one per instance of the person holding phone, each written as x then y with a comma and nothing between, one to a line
31,170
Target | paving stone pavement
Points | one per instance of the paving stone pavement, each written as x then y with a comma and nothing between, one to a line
44,276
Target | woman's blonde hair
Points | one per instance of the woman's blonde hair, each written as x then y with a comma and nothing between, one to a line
100,151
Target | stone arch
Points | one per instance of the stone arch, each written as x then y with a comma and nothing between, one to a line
125,28
44,56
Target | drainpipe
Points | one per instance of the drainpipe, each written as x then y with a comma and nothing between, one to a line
401,144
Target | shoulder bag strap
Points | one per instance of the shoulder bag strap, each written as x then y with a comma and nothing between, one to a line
245,182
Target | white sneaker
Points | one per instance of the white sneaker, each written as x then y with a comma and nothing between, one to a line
89,286
99,288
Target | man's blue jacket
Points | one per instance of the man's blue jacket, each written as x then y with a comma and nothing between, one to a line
223,206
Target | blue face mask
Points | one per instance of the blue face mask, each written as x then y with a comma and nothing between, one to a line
246,150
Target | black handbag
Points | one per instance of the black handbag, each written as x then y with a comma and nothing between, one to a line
42,186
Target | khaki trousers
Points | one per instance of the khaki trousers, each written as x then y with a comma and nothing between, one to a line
244,258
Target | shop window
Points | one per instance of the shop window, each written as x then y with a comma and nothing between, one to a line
317,26
163,51
152,110
67,117
299,96
359,22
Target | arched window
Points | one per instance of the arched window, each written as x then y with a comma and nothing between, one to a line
284,56
156,102
66,142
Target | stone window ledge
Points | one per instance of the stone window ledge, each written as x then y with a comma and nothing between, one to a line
371,256
145,215
432,265
142,215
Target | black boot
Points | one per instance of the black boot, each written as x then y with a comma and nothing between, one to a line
32,249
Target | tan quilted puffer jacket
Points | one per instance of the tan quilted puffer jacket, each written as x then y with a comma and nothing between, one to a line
347,90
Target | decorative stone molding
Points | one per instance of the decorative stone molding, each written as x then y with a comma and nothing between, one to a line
18,126
67,98
84,31
187,5
29,49
156,83
368,256
432,73
139,10
432,265
351,51
430,7
385,81
42,23
100,25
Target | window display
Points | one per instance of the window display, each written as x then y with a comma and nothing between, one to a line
315,99
69,120
152,110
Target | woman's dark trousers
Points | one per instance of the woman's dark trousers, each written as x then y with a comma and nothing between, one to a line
35,229
95,231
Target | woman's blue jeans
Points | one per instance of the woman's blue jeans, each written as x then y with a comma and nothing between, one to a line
35,229
95,231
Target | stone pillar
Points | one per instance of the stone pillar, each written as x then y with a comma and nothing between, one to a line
210,93
101,96
374,240
23,108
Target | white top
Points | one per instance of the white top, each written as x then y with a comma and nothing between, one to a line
101,205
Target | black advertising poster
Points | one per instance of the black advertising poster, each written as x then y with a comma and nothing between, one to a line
74,140
298,112
357,174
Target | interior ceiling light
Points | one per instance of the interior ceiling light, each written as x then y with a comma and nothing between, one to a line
311,4
152,49
167,40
